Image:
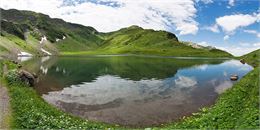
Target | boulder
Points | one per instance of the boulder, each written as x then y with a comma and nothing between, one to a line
13,61
19,66
234,77
27,77
242,61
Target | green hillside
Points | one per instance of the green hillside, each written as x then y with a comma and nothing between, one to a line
71,36
23,30
252,58
136,40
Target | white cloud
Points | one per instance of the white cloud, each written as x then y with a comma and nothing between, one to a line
185,82
205,1
230,23
238,50
253,32
231,2
226,37
222,87
256,44
213,28
168,15
203,43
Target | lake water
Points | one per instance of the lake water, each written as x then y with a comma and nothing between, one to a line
133,90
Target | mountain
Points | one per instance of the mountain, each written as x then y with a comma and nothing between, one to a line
25,32
252,58
38,25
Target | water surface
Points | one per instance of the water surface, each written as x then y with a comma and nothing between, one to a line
131,90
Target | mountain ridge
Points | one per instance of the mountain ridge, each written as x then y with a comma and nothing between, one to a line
18,28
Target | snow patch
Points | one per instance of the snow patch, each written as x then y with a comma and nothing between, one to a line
22,53
63,37
22,59
44,70
57,39
44,38
44,59
48,53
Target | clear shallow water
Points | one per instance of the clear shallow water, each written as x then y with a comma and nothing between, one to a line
132,91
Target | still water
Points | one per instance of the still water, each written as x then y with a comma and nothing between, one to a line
132,90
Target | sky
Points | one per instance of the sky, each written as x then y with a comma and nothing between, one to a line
231,25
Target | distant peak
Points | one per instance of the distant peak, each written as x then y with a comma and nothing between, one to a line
135,26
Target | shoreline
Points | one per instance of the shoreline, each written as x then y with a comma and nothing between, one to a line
186,122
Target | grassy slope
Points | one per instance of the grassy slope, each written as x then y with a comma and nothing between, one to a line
11,44
79,37
252,58
135,40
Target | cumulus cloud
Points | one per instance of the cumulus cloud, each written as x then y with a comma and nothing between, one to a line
222,87
205,1
185,82
111,15
253,32
231,2
230,23
226,37
203,43
213,28
239,50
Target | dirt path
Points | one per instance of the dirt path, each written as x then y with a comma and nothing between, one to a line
4,107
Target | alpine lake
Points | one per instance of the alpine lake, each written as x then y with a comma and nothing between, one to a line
132,91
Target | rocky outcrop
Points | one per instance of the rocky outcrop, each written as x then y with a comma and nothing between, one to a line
27,77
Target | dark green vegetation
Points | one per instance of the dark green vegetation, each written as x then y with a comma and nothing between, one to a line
252,58
22,30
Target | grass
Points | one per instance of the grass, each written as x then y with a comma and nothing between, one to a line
135,40
253,58
166,51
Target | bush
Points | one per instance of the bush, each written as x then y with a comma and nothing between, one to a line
12,77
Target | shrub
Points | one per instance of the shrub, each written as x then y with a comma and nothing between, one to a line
12,77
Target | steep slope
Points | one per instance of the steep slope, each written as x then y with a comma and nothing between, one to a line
27,31
252,58
67,35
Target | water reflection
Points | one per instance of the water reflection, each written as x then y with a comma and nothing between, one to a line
24,58
133,91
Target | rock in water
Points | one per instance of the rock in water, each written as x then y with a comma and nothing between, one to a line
234,77
243,61
27,77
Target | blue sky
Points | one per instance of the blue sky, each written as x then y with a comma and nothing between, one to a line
231,25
